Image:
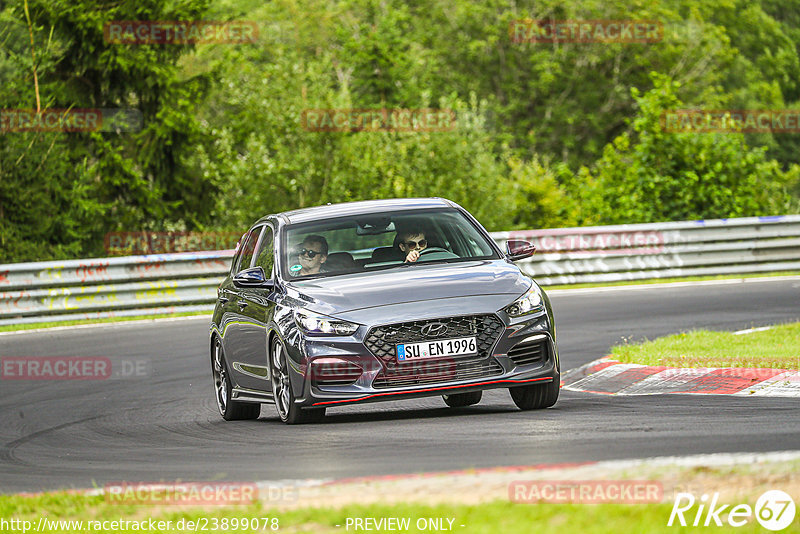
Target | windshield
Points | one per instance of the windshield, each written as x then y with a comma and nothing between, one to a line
379,241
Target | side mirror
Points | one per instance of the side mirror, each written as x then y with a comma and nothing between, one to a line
253,277
519,250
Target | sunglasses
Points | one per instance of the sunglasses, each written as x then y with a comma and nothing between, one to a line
413,244
310,253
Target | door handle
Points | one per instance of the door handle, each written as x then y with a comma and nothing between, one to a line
242,304
224,300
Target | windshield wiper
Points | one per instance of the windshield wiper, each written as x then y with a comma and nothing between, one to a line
431,262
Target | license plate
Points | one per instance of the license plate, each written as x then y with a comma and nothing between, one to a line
436,349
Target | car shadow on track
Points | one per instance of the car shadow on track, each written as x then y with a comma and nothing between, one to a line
336,418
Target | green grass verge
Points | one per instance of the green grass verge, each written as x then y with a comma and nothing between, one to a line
498,516
51,324
671,280
777,348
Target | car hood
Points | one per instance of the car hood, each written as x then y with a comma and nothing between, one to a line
361,291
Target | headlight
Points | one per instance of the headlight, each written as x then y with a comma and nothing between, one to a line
314,323
530,302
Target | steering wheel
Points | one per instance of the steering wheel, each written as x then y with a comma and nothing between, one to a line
433,249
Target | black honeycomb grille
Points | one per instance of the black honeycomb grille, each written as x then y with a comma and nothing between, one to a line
382,342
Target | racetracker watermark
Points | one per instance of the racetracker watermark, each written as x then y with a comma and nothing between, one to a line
731,121
199,524
591,242
70,120
148,32
73,368
339,371
133,243
187,493
378,120
585,31
754,369
586,491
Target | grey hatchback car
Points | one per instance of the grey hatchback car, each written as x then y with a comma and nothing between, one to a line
374,301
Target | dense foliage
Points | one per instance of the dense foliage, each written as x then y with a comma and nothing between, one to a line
545,135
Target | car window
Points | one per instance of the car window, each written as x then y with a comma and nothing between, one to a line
380,240
266,257
247,249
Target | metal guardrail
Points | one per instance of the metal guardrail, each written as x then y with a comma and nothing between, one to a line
660,250
169,283
109,287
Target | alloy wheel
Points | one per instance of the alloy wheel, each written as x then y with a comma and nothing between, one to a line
220,378
280,381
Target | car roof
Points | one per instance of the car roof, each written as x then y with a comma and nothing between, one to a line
361,207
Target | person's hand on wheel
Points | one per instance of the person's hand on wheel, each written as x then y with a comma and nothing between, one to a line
413,256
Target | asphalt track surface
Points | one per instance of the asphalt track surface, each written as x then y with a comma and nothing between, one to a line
164,426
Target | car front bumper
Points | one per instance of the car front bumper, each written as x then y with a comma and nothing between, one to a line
523,352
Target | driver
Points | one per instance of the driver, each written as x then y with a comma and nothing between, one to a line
412,242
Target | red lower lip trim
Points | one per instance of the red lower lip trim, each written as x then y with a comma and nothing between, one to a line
435,389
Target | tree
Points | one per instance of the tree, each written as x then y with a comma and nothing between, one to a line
656,175
78,186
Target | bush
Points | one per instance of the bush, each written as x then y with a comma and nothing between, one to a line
653,175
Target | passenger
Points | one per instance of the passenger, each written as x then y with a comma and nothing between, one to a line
312,253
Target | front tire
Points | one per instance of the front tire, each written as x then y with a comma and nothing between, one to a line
536,396
229,409
462,400
288,410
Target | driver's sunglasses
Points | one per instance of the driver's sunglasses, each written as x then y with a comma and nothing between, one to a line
310,253
413,244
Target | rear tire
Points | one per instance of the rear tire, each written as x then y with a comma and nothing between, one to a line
229,409
536,396
462,400
288,410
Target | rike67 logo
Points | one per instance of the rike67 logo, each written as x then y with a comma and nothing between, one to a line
774,510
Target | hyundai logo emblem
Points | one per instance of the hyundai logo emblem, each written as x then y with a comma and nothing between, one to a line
433,329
